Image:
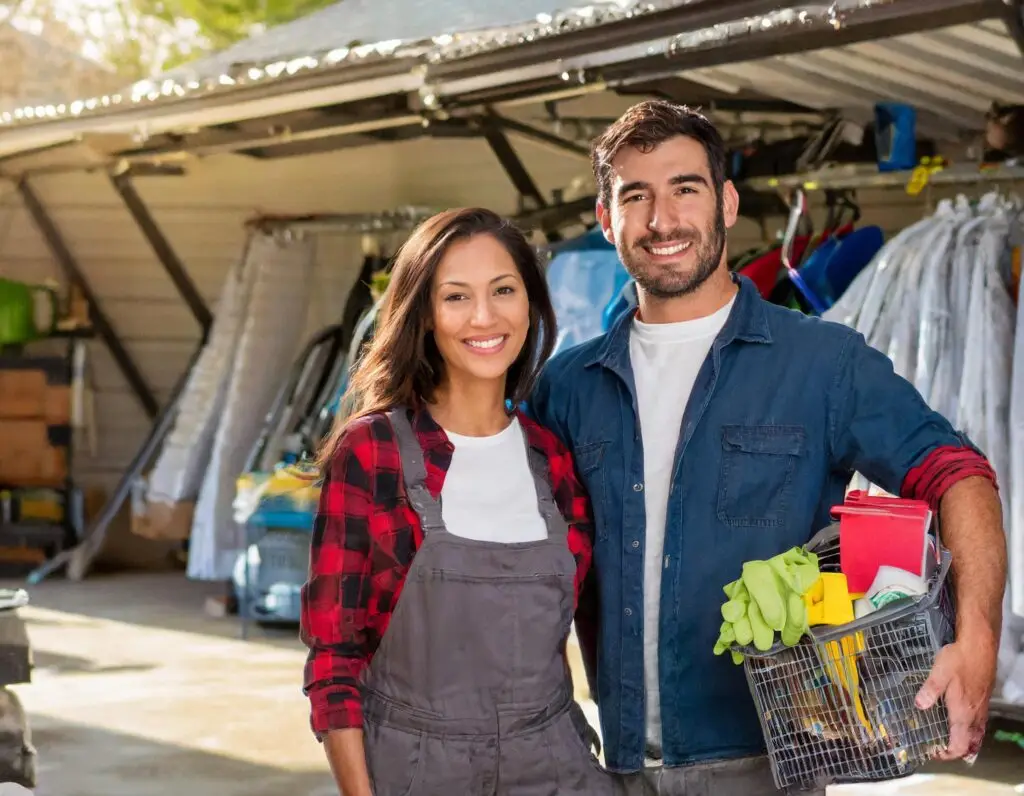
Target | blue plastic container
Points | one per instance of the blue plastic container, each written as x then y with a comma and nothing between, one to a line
895,136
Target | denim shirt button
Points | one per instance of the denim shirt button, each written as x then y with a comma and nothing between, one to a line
636,543
638,487
629,612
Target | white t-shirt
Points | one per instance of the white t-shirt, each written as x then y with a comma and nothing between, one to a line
488,491
666,358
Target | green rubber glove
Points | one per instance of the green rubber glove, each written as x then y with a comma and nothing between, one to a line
767,599
796,620
764,636
768,592
734,610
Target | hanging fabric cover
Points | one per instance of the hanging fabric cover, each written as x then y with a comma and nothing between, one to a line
178,471
583,277
937,301
270,337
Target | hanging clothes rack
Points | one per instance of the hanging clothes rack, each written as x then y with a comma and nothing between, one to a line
941,301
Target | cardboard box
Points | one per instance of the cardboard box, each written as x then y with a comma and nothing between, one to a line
165,521
26,456
26,395
22,393
56,406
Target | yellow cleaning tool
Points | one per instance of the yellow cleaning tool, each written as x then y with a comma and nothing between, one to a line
842,670
829,602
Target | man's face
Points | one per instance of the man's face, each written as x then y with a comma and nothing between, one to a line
664,218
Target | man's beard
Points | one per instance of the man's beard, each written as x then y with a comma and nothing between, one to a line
665,282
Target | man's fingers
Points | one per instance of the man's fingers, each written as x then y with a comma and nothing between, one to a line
959,740
977,739
936,684
962,721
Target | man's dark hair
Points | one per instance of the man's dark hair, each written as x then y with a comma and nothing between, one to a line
648,124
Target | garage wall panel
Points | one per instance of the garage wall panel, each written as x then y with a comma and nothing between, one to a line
202,215
162,363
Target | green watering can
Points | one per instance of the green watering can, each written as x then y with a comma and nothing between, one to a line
27,312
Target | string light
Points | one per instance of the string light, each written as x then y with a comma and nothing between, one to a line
449,47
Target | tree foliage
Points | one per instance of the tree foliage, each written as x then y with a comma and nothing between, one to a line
221,23
141,38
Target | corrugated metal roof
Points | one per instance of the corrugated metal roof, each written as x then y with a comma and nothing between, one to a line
942,73
352,22
951,76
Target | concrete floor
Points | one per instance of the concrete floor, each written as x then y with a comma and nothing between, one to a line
136,691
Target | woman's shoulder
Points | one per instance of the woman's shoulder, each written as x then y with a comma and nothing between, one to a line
364,435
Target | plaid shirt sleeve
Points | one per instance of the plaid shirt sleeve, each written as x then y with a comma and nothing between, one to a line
336,600
942,468
569,494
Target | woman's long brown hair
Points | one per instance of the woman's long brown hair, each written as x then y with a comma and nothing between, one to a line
402,365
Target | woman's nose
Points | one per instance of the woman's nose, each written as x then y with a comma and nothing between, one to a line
483,313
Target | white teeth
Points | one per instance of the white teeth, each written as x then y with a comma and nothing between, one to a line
666,251
494,341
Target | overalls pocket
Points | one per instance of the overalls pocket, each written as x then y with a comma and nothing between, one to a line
395,759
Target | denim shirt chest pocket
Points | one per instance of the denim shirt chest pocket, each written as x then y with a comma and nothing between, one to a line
756,477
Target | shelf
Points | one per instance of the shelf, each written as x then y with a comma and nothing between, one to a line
852,176
32,534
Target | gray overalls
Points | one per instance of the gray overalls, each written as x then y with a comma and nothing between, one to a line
469,692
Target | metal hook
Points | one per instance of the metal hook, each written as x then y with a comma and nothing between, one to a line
796,213
798,205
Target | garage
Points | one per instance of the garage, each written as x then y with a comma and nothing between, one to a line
204,246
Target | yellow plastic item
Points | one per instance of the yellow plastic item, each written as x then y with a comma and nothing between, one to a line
828,600
842,670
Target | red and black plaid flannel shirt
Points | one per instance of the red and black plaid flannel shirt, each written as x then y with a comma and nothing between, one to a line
942,468
364,539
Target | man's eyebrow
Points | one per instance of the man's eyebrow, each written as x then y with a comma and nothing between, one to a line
629,187
682,179
678,179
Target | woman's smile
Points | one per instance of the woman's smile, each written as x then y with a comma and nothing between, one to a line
486,346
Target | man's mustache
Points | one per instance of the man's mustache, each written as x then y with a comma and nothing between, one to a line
676,236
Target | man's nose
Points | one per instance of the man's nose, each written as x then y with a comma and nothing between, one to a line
661,219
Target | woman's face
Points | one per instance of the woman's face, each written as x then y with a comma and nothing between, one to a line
481,314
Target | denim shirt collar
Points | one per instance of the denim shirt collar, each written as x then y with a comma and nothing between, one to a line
748,321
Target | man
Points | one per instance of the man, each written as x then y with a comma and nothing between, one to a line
713,428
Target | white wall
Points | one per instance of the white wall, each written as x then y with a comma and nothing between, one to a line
202,215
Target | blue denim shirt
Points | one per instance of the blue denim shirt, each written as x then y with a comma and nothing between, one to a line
785,409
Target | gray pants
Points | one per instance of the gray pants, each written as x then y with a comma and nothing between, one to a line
748,776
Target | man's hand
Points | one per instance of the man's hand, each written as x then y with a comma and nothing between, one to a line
964,673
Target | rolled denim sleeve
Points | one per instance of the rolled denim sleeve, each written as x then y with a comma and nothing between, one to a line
879,424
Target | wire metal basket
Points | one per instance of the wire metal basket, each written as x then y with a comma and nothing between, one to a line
839,706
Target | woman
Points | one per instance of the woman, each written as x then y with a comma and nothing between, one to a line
451,540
